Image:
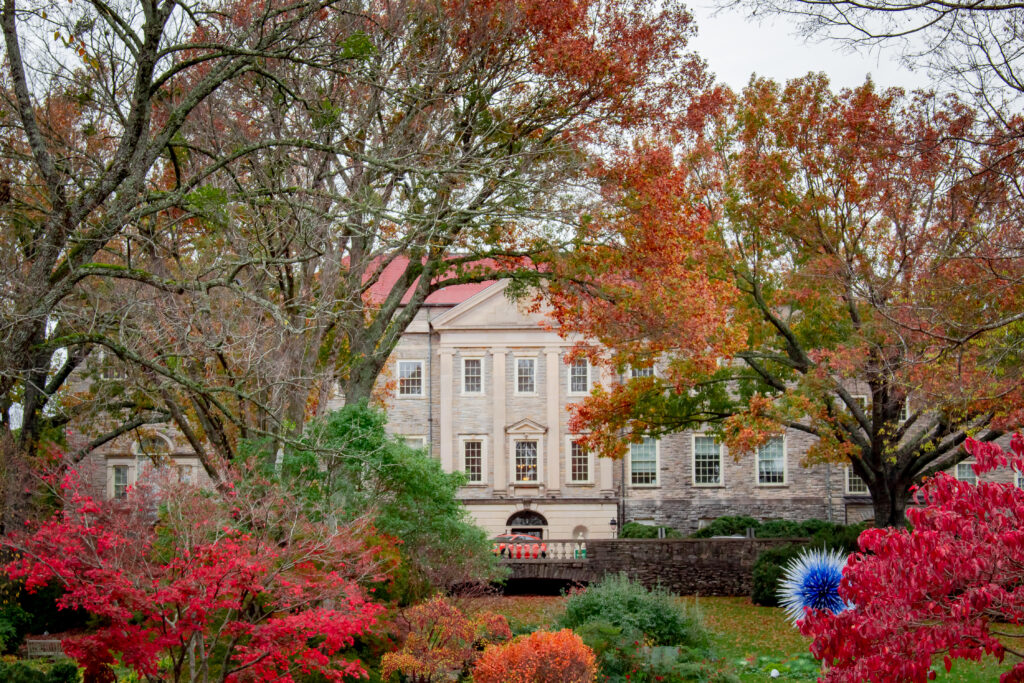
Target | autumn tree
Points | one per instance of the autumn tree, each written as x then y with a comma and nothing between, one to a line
189,585
455,140
864,232
95,99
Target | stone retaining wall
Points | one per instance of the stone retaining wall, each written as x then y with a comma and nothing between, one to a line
688,566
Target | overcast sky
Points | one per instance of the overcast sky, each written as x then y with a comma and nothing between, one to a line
736,47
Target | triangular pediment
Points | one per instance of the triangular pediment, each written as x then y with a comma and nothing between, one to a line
489,309
526,426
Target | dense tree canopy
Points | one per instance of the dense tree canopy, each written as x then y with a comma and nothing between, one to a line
266,199
871,249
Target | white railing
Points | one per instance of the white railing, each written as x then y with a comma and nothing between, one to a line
543,551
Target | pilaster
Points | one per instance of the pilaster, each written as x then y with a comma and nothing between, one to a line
554,435
499,460
447,409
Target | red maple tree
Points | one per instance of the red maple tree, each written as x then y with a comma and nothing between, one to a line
250,586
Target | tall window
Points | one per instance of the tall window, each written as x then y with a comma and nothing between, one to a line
120,481
526,375
965,472
473,461
579,376
771,462
643,462
472,376
526,461
854,484
707,461
579,463
410,378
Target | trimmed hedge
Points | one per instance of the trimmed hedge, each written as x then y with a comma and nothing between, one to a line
770,564
637,530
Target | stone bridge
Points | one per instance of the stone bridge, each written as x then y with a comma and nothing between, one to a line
688,566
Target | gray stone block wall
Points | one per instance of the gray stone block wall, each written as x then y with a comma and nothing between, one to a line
684,566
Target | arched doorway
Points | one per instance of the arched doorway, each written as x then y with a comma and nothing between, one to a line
527,522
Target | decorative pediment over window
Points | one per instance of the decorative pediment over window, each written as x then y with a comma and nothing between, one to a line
526,426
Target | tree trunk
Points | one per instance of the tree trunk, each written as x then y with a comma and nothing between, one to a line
358,386
17,485
890,504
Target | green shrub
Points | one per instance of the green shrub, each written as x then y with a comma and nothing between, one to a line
812,526
614,648
655,614
61,671
767,572
727,526
840,537
637,530
780,528
770,564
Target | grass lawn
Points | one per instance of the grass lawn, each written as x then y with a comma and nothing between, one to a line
754,640
750,640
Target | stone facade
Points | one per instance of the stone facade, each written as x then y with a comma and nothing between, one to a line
719,566
495,336
516,401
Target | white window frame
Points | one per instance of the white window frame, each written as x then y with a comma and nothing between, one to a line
133,468
106,371
569,441
462,383
865,403
648,372
693,462
515,377
785,465
972,477
463,440
568,378
413,440
657,465
905,410
850,474
1018,479
398,377
525,438
189,464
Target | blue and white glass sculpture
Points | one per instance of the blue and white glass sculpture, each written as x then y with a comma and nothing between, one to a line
812,580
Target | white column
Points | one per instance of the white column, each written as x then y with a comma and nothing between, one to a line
498,458
553,442
447,408
606,477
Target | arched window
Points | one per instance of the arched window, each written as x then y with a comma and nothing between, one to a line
152,445
527,522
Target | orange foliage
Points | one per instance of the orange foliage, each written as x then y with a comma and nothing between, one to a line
441,641
541,657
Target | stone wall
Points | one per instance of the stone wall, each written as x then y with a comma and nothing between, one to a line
688,566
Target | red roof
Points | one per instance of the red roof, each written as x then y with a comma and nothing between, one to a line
448,296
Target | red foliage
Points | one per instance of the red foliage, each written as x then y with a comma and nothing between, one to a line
541,657
940,589
249,585
441,641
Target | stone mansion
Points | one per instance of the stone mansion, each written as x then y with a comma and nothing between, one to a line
485,387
